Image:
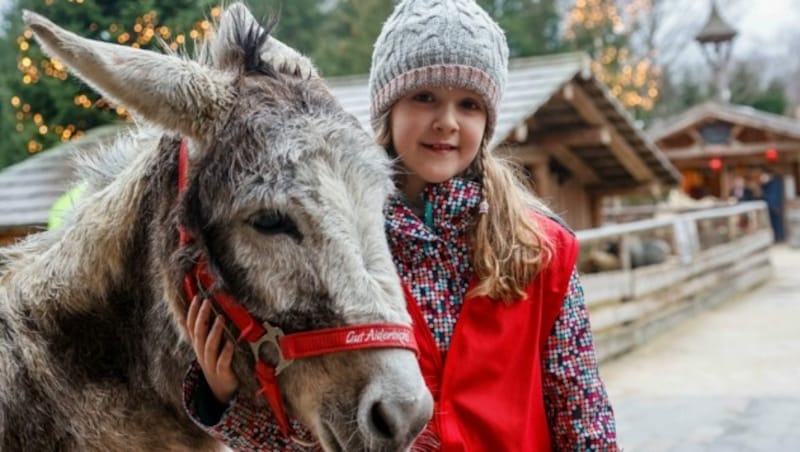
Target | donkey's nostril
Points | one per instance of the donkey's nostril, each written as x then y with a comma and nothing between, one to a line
390,422
382,420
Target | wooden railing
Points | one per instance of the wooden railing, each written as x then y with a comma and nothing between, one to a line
643,277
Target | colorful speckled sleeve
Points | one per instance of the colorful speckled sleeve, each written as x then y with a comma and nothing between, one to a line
242,425
578,409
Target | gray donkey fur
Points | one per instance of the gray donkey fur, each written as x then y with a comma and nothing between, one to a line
284,196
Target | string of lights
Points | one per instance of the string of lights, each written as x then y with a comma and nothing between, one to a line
146,31
633,78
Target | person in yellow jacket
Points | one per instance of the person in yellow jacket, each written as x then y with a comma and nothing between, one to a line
64,204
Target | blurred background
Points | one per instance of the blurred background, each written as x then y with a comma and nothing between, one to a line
666,132
643,50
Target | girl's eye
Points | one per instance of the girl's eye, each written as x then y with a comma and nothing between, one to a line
471,104
423,97
270,222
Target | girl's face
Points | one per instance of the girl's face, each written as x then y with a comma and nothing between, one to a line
437,133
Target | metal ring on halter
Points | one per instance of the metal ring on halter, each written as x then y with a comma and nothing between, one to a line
272,336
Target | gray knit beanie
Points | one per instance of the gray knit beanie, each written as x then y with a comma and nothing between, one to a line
438,43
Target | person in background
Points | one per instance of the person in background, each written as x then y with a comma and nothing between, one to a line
499,314
772,194
740,191
64,205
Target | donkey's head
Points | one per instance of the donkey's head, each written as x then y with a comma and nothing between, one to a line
284,197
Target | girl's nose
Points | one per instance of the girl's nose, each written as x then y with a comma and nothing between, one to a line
446,121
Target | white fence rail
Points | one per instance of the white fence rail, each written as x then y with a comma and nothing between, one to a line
642,277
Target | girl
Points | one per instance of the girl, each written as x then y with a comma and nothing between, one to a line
506,347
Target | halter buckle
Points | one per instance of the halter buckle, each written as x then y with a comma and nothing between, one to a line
272,336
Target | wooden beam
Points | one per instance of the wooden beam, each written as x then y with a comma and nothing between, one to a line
695,135
730,150
542,185
735,132
627,190
621,149
532,154
596,209
574,164
580,136
560,119
526,154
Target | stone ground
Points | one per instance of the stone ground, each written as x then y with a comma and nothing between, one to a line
727,380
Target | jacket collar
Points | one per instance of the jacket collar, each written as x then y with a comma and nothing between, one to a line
450,208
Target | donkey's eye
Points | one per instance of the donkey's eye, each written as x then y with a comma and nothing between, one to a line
271,222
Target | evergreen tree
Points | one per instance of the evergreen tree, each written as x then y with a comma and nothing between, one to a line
346,37
299,22
532,26
744,83
606,30
679,92
41,104
773,99
748,87
344,41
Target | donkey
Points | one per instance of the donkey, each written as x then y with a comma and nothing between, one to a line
283,198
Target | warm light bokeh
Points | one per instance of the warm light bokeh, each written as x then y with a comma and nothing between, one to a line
140,34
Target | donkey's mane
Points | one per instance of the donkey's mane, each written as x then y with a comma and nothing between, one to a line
251,39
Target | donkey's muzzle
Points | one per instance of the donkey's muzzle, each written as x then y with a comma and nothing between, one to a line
395,423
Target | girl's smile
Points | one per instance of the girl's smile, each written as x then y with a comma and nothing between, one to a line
441,147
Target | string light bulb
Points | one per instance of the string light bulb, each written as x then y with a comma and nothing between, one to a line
144,31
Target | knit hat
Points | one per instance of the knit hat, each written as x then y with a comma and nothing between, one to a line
451,43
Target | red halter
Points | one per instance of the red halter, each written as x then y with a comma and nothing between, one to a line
290,346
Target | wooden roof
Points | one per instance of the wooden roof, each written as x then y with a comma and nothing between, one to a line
569,114
750,131
29,188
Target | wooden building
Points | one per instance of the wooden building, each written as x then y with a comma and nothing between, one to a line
715,142
29,188
562,125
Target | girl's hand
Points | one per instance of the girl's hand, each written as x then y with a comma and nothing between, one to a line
215,363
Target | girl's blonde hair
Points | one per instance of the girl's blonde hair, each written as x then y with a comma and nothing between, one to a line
508,247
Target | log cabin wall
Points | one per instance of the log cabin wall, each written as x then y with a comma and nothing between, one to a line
9,236
572,203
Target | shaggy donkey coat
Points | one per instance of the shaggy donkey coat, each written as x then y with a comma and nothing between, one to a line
284,197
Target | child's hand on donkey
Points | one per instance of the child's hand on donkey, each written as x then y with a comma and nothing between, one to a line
213,359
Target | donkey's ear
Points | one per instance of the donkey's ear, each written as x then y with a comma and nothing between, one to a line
287,60
228,54
177,94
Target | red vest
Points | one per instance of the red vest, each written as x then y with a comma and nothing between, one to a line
488,393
